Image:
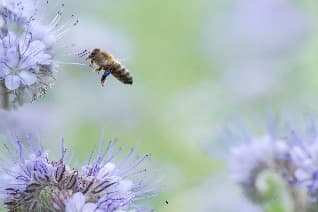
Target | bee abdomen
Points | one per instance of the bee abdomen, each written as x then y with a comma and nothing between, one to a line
122,74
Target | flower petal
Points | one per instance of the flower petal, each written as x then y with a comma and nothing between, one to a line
27,77
89,207
44,59
35,47
125,185
105,170
12,57
75,203
3,70
12,82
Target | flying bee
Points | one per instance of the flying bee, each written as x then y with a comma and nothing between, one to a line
103,61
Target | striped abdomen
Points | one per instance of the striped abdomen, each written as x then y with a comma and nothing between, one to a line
121,73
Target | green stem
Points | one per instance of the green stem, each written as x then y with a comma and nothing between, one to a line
297,201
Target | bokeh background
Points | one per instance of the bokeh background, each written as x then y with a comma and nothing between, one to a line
197,65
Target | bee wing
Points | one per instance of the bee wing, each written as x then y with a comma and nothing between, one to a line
122,59
104,76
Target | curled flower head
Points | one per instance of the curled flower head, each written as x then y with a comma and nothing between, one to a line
281,164
27,50
31,181
250,160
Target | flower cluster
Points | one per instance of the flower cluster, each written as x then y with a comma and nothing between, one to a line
304,156
292,157
32,182
249,160
27,50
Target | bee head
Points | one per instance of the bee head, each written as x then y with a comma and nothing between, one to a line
93,53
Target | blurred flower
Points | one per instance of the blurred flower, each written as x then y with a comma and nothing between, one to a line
31,181
256,42
30,118
304,155
259,29
27,51
269,166
306,173
249,160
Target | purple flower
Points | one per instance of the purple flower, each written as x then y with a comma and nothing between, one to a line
31,181
304,156
27,50
288,160
250,160
253,42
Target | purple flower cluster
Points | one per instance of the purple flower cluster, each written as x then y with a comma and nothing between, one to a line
304,156
250,159
27,50
293,157
30,181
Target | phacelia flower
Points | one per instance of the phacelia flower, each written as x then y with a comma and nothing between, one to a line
304,155
28,50
249,160
31,181
273,165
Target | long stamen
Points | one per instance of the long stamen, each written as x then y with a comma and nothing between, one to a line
66,27
57,18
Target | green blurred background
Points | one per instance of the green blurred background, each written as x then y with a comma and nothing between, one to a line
196,65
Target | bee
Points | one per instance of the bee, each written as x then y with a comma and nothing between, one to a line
103,61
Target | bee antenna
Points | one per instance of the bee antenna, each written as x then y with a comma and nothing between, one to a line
83,53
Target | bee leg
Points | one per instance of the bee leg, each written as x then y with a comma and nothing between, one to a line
104,76
91,64
98,69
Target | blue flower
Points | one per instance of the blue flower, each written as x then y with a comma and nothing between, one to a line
27,51
31,181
